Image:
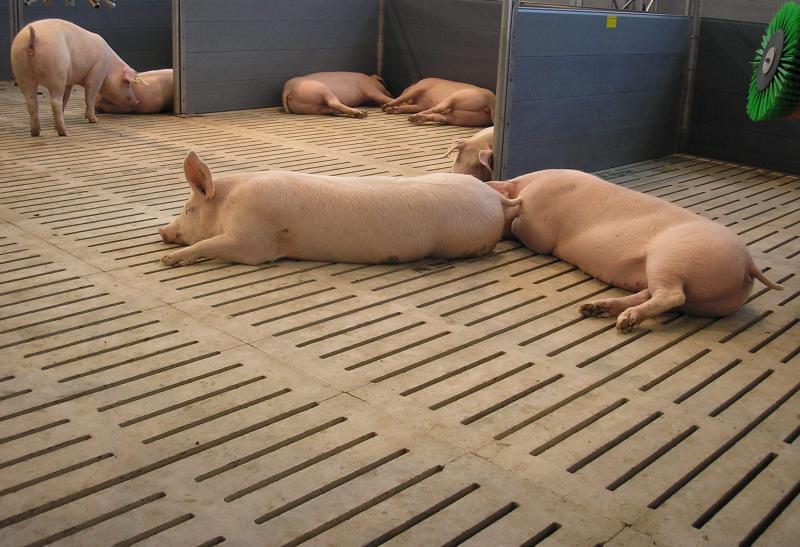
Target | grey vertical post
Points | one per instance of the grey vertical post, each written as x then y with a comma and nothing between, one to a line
381,32
178,61
693,9
15,19
502,115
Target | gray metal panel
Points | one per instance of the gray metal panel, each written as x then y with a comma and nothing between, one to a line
453,39
5,41
585,96
239,55
140,31
720,126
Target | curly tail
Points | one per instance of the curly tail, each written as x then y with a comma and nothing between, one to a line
757,274
31,41
512,202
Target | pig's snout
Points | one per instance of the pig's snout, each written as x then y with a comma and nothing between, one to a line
168,236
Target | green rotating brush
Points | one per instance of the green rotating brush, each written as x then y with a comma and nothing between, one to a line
775,85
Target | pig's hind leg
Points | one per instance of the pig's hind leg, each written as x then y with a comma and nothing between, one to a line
337,106
57,102
612,307
67,92
32,102
666,288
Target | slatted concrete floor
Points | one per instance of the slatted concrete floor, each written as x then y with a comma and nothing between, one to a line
440,402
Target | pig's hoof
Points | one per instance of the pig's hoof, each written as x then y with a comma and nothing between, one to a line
35,132
595,309
416,118
360,114
171,260
628,321
62,132
390,109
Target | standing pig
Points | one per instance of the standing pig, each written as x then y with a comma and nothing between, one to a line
668,256
475,156
154,92
58,55
445,101
257,217
332,92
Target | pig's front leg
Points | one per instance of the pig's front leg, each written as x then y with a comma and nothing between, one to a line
221,247
92,85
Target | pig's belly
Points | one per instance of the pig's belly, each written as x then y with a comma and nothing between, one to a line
609,257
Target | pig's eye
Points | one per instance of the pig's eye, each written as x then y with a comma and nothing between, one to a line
189,210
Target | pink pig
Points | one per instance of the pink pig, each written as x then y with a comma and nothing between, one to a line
445,101
257,217
475,156
58,55
668,256
333,92
154,92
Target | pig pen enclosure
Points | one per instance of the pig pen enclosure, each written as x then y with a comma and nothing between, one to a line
438,402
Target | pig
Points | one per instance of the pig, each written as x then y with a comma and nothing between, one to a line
58,55
667,256
475,156
154,93
253,218
333,92
445,101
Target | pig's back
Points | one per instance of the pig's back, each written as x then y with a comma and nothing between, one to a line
56,39
345,85
383,219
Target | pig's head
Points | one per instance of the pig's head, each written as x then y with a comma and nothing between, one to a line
198,218
117,89
381,85
103,105
471,159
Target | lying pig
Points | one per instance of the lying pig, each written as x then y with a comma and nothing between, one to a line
668,256
154,92
475,155
257,217
445,101
333,92
58,55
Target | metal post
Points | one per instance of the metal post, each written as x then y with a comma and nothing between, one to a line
502,114
693,9
15,17
381,27
178,61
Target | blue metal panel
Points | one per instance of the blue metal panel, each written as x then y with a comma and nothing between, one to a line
140,32
589,93
5,41
452,39
238,55
720,127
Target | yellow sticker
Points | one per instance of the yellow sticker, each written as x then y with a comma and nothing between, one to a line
611,21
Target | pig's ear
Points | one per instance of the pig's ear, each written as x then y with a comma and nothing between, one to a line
198,175
459,144
486,157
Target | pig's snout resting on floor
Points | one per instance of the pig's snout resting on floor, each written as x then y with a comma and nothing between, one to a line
257,217
667,256
333,92
474,155
58,54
